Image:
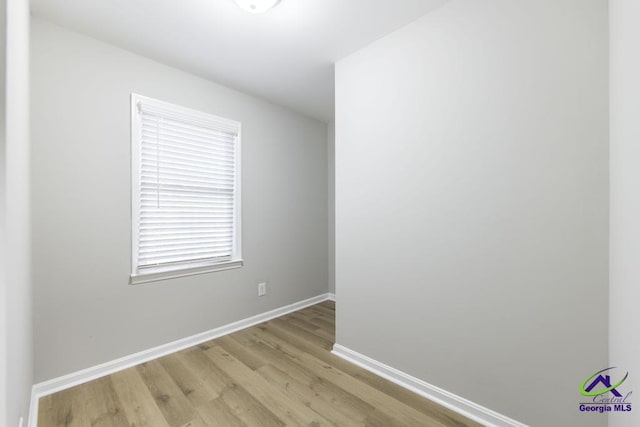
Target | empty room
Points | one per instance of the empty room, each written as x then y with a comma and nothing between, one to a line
319,213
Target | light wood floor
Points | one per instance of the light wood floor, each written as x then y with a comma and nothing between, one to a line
277,373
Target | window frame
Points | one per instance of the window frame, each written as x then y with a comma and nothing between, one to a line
150,274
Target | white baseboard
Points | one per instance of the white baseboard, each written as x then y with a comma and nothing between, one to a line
449,400
76,378
33,409
331,296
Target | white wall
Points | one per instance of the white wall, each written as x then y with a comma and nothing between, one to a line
3,243
16,304
85,312
472,203
331,153
624,315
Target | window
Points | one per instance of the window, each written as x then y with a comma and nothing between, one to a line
186,191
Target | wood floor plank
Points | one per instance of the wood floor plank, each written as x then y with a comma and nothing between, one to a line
69,408
311,398
396,409
310,338
139,406
310,328
328,304
243,404
274,374
207,372
319,308
175,407
285,409
339,399
47,411
393,390
248,409
322,324
310,313
196,422
194,389
325,334
103,405
379,418
240,352
217,414
330,319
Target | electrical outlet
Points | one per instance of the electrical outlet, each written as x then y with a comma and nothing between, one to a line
262,289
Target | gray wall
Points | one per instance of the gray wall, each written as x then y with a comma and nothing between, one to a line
331,150
16,324
85,312
472,203
624,321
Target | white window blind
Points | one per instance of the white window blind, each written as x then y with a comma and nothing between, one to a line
186,188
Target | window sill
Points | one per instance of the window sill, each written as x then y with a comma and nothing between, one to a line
153,276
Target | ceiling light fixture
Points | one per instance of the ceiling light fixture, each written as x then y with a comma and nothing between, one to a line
256,6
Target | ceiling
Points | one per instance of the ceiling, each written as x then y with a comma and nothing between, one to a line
285,56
